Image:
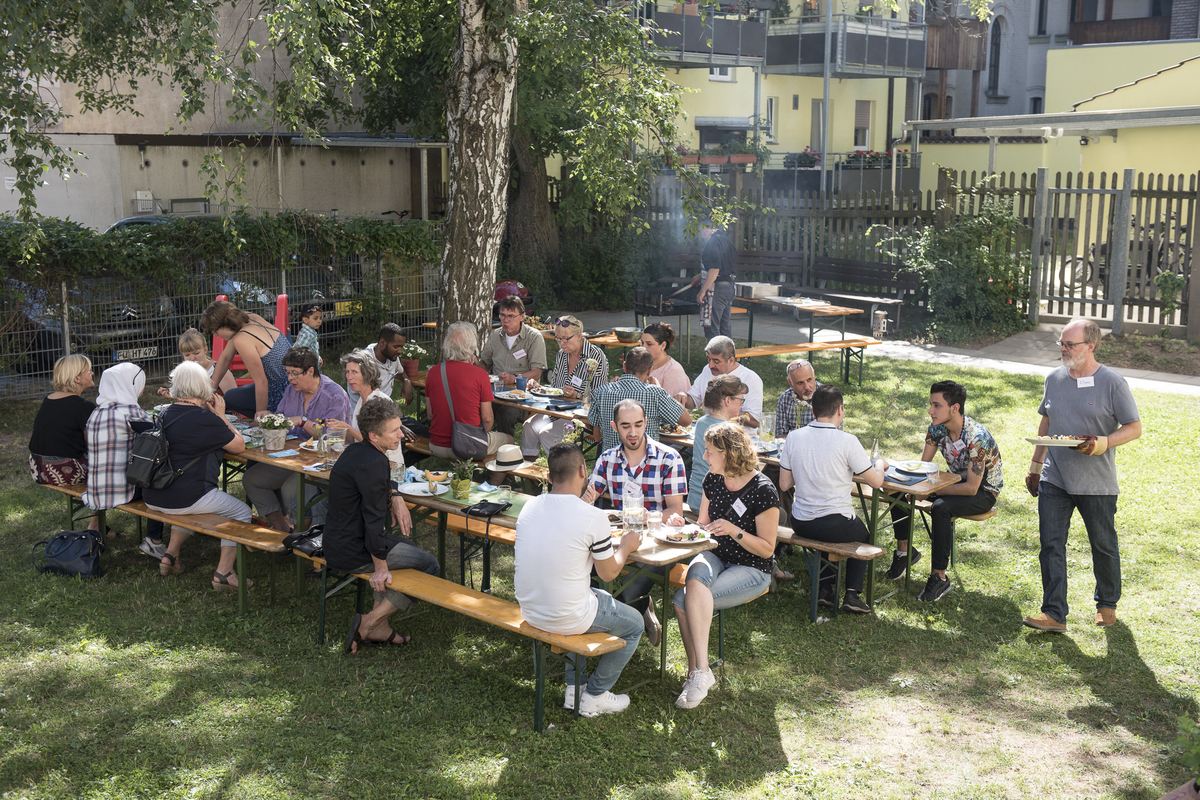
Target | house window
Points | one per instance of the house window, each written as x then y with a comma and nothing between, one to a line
772,104
795,102
1160,8
720,74
1043,10
993,86
1035,105
1085,10
929,107
862,124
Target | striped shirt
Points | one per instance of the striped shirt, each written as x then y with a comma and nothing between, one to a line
661,475
108,441
561,377
661,408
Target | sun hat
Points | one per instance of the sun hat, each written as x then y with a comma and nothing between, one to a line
508,457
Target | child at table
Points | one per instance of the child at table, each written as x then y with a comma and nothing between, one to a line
310,321
193,347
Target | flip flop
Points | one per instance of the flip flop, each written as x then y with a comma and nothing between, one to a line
353,637
397,639
784,575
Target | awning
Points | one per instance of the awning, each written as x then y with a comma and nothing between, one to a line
1075,123
725,123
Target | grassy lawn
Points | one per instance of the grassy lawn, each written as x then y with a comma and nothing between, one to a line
142,686
1150,352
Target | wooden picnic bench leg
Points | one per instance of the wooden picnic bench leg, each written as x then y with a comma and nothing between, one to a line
812,560
442,544
485,585
241,576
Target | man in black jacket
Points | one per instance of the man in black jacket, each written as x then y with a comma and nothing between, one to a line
356,539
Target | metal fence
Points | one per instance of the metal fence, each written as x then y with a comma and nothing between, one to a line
113,319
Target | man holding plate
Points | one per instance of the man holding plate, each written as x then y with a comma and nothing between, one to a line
1086,399
972,454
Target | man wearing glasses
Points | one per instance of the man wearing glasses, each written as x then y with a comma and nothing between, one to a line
579,363
516,350
1083,399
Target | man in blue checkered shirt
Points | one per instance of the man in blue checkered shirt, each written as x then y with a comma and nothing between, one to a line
661,409
660,472
793,410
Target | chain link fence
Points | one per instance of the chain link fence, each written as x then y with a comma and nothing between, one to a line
113,319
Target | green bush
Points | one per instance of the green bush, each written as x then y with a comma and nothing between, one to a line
975,283
602,267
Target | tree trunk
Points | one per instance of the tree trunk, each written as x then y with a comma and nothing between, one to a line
532,229
478,120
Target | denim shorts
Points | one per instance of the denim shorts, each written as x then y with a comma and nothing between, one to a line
731,584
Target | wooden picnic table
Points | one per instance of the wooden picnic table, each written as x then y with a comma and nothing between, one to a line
580,413
813,310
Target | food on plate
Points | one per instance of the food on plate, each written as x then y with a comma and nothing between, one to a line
1062,438
548,391
617,533
614,517
686,534
516,394
436,477
671,430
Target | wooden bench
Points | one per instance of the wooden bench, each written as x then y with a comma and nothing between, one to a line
926,506
835,554
851,350
503,614
873,276
76,509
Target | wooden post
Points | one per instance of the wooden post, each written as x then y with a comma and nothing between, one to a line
1040,244
1118,269
1193,298
974,93
943,213
942,76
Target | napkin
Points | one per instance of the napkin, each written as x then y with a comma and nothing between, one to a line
486,487
902,479
283,453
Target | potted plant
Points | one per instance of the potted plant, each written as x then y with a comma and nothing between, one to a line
460,479
687,156
801,160
410,355
275,428
713,156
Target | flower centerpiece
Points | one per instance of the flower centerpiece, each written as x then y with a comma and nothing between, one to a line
460,479
410,357
275,428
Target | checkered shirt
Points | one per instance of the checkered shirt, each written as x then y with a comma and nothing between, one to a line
661,474
661,408
308,338
560,379
791,413
108,441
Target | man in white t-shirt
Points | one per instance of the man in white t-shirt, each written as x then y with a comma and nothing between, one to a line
559,539
722,360
387,355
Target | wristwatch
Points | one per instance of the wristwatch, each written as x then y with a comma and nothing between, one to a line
740,534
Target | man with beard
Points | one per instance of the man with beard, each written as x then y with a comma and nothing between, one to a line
1087,400
659,472
793,409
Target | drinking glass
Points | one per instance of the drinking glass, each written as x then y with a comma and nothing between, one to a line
653,520
335,443
766,429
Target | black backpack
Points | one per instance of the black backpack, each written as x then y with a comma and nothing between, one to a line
149,465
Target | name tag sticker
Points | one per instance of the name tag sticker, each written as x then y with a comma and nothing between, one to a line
520,353
576,380
1086,382
739,507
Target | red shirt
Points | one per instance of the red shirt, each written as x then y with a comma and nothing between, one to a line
469,386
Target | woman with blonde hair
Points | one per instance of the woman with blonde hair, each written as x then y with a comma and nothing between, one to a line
58,447
740,509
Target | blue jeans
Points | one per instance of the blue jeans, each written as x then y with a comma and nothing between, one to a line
1055,507
731,584
403,556
621,621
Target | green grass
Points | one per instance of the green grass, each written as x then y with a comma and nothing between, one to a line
137,686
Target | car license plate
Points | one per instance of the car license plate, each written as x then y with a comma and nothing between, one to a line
344,307
135,354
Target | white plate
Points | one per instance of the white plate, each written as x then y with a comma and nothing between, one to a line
547,391
421,489
922,467
1046,441
509,395
765,447
662,533
311,444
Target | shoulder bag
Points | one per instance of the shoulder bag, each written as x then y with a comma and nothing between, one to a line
71,553
467,441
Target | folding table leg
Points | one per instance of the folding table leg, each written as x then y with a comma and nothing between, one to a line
241,576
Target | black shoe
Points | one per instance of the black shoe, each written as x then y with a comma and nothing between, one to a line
935,589
826,596
899,562
855,604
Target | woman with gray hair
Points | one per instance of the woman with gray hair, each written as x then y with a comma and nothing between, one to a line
470,393
197,432
364,378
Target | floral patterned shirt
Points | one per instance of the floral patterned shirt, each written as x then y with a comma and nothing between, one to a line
975,449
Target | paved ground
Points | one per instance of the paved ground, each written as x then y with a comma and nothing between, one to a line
1029,353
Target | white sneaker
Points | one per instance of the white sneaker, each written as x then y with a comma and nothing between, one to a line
155,550
607,703
696,688
569,697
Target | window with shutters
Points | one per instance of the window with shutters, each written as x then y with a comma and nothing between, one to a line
862,124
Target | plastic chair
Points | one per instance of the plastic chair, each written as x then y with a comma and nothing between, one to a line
218,346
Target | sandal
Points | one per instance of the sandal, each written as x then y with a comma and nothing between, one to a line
354,639
783,575
221,582
397,639
174,568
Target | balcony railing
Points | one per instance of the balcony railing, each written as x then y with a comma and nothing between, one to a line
862,47
710,39
1110,31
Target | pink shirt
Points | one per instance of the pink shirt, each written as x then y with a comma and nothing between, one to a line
672,377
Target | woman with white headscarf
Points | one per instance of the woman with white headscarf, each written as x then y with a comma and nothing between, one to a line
109,438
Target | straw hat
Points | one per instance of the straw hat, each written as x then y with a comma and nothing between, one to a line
508,457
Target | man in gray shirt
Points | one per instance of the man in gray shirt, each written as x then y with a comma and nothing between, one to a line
1085,399
515,350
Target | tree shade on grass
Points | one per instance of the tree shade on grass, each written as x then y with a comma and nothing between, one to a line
136,685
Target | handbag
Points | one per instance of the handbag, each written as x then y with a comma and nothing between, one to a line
467,441
309,542
71,553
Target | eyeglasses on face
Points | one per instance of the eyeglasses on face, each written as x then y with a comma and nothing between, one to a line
741,398
1068,345
565,339
511,316
294,373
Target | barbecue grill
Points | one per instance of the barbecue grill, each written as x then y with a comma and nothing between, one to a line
659,303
